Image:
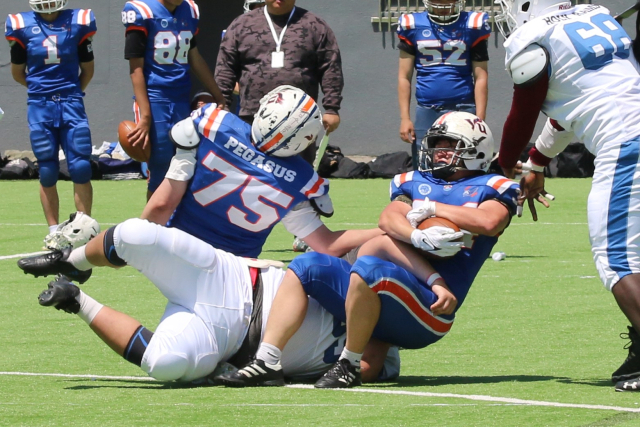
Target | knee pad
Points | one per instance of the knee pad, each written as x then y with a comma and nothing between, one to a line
167,367
78,154
49,172
43,143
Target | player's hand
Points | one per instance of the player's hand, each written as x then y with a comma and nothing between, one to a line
407,132
446,303
511,172
532,189
330,122
140,135
437,240
419,214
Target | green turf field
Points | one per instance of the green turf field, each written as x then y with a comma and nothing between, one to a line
534,344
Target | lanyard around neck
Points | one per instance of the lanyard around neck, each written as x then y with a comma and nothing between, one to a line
277,39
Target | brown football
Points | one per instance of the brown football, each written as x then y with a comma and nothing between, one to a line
136,153
435,222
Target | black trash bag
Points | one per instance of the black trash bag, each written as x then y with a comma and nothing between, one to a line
390,165
330,160
19,169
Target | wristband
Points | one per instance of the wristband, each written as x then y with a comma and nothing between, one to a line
432,278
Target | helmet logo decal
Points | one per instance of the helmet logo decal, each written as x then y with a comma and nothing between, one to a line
477,121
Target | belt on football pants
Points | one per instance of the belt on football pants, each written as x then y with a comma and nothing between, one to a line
247,351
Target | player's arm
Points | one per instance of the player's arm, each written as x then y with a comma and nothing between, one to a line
481,87
490,218
204,74
405,74
134,51
164,201
19,73
86,74
530,73
18,62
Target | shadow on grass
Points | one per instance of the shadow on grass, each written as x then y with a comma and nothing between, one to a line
416,381
595,382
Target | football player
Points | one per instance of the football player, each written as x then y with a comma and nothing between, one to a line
385,301
217,306
232,182
572,63
52,56
161,46
448,48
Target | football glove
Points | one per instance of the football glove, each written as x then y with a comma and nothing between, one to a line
417,215
437,241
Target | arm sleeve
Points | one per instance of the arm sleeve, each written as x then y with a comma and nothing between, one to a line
406,47
330,71
521,121
480,51
135,44
194,43
85,51
18,54
227,71
552,141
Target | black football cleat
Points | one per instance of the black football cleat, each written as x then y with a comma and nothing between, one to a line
628,385
54,262
630,368
257,373
342,375
61,294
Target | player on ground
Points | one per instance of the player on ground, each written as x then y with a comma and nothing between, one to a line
161,47
572,64
217,306
448,48
240,180
52,56
385,301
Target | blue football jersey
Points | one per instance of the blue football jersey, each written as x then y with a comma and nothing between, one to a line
443,55
166,62
52,49
238,194
460,270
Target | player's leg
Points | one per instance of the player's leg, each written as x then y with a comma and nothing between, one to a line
45,143
400,316
76,144
425,116
614,231
162,149
310,275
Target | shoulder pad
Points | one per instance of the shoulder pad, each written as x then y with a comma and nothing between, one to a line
400,179
406,22
195,10
143,9
184,134
84,17
528,65
323,205
476,20
14,22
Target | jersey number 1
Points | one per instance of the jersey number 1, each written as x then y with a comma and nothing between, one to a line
51,44
597,42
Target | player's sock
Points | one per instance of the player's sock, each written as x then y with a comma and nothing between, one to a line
53,228
269,353
89,307
78,258
353,358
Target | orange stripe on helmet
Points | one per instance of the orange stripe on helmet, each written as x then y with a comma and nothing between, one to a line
271,143
308,105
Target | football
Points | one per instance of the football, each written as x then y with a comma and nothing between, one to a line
437,222
136,153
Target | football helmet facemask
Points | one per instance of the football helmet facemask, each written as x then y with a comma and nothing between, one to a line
249,3
47,6
473,150
516,13
444,11
287,122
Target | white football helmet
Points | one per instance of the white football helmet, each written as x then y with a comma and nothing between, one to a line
47,6
473,151
515,13
75,232
287,122
444,11
249,3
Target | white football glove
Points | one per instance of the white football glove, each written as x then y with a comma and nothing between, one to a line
437,241
417,215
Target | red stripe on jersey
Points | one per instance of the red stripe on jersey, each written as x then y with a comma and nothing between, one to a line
136,28
403,178
91,34
136,112
315,187
15,22
496,185
404,39
486,36
212,118
477,18
403,295
407,22
17,41
144,10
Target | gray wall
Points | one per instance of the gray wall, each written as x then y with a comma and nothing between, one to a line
369,112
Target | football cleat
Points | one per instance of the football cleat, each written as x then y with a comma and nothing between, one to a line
628,385
630,368
299,245
54,262
61,294
342,375
257,373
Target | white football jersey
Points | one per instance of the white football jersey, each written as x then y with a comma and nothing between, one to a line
594,88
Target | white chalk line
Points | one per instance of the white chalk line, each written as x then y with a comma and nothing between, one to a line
22,255
476,397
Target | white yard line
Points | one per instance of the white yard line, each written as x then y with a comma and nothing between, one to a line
476,397
22,255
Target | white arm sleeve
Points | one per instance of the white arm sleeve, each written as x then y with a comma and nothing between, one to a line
182,165
552,141
302,220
